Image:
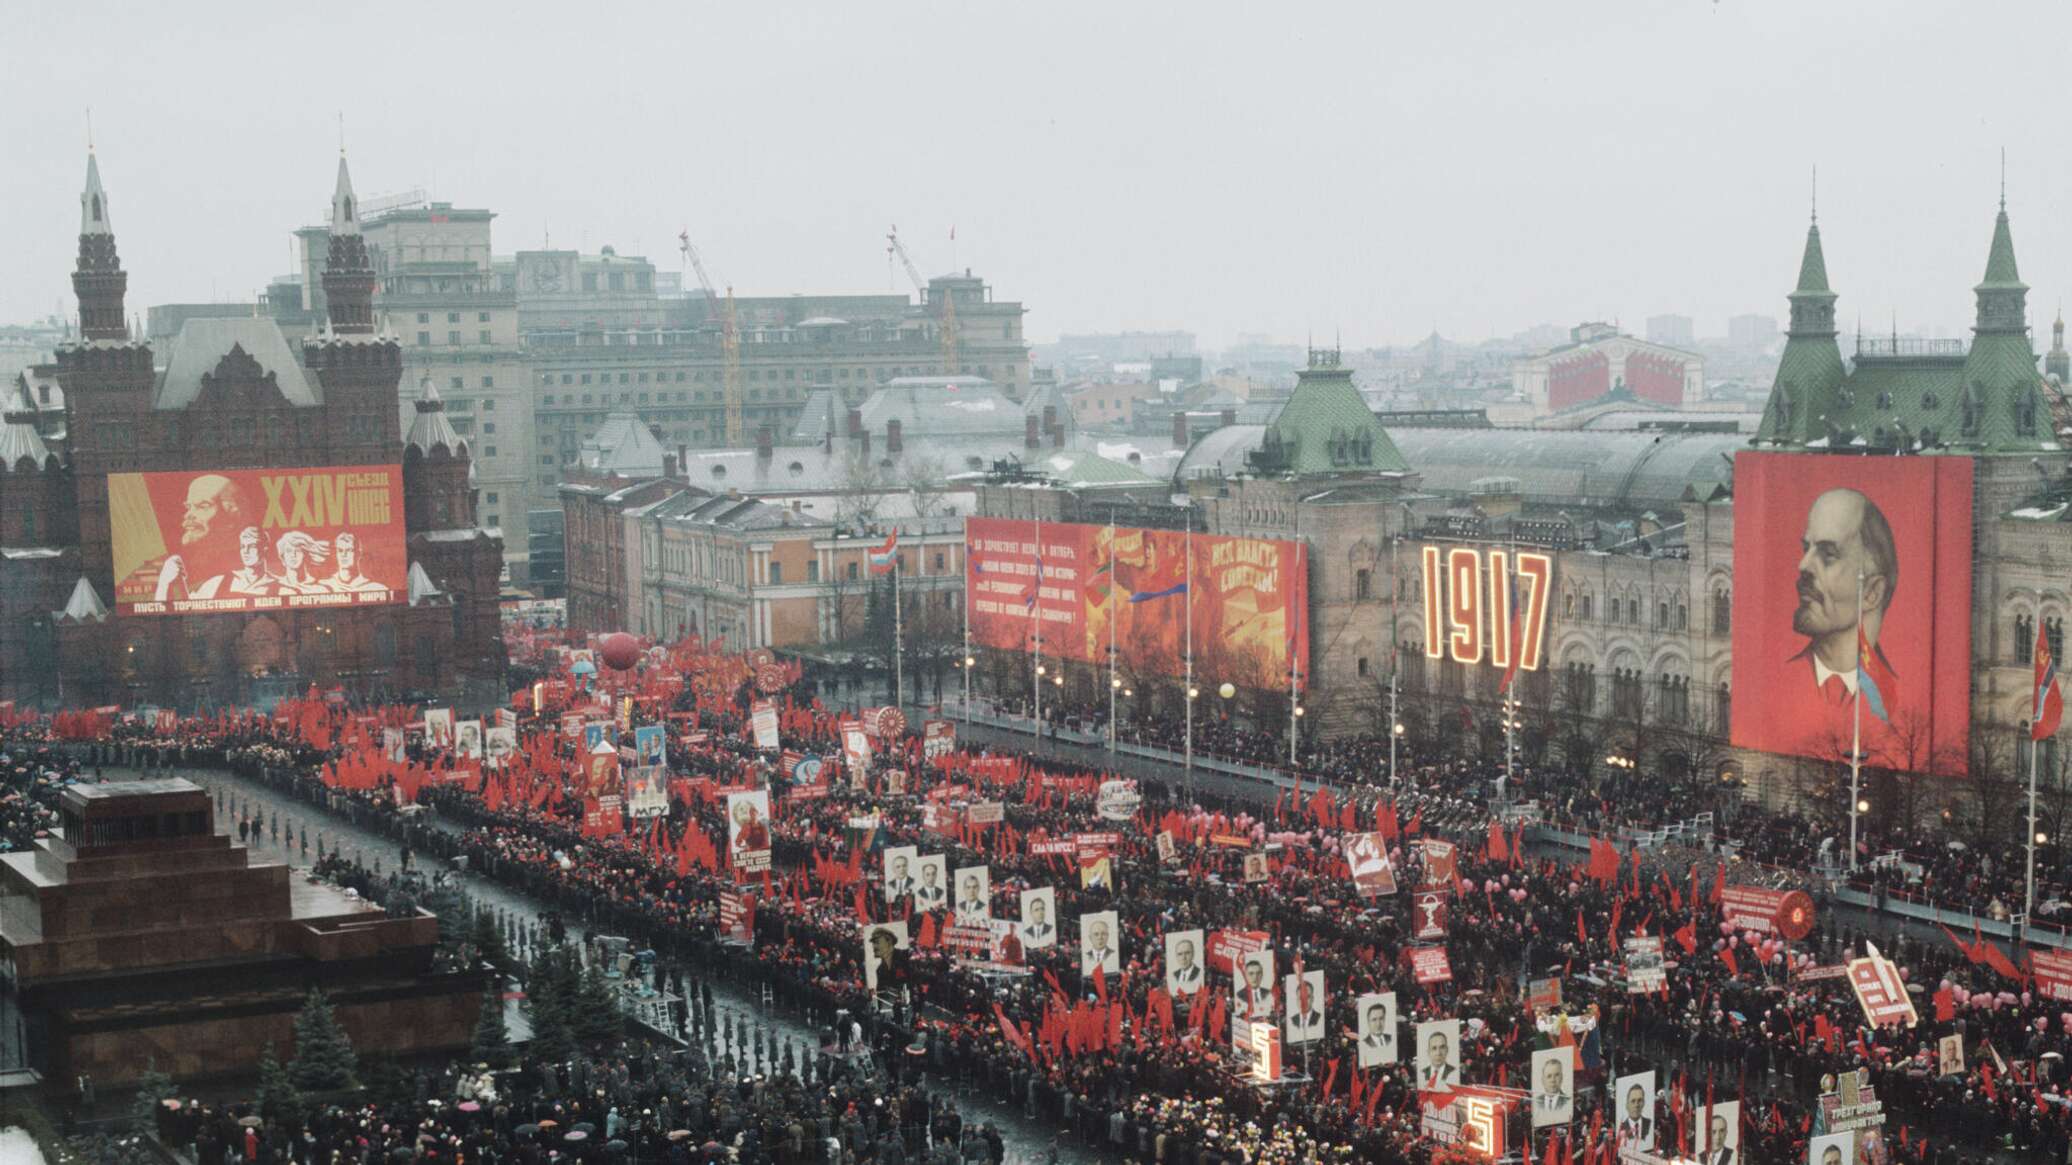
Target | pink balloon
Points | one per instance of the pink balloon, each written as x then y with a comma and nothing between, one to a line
1719,944
1573,887
1466,887
1489,887
1507,879
1725,928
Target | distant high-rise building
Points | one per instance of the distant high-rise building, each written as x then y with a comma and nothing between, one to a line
456,321
1673,330
1752,332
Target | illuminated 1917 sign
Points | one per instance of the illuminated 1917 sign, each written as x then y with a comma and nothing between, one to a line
1485,604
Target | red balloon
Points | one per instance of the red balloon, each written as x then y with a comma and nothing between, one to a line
619,651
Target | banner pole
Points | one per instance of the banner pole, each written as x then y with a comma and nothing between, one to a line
1856,730
1114,614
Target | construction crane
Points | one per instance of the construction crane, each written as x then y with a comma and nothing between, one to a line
946,323
729,340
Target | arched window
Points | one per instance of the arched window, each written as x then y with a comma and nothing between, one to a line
2024,638
1363,584
1722,612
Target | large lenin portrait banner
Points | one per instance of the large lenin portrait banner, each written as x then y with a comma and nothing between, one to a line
257,539
1852,605
1250,598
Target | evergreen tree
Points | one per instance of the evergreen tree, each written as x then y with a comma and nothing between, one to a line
153,1086
597,1008
549,1003
450,906
492,1042
280,1102
488,941
324,1057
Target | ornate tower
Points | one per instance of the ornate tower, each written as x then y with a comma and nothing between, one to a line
99,279
107,377
437,491
360,371
348,273
1810,373
2001,408
2058,362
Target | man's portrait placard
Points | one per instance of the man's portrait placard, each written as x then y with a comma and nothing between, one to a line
1098,935
1377,1028
1633,1107
1254,986
1255,868
1832,1149
1719,1139
1039,918
1553,1087
1305,1004
901,875
1438,1055
932,892
1185,971
974,894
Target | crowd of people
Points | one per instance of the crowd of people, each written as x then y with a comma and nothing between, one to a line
1895,855
720,1101
1738,1017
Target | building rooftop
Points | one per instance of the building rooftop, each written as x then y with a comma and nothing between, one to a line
203,343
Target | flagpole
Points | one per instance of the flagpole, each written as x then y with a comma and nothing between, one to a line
1395,659
1294,663
1513,644
1114,613
1856,729
2029,881
898,635
969,568
1036,629
1187,596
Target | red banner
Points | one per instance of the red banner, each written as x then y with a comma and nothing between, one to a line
1227,946
1087,584
1838,559
1430,965
1785,912
2053,974
257,540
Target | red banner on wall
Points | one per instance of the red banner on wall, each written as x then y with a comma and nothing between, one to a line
1086,584
1838,556
257,539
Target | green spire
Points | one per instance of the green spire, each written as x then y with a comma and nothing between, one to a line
1804,397
1813,268
1326,427
2000,268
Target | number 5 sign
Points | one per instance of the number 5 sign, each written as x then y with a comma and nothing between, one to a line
1496,611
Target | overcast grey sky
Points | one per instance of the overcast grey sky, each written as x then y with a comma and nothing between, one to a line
1380,169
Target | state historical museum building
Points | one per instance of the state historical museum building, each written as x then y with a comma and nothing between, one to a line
233,520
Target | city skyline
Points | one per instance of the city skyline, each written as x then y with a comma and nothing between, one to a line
1060,203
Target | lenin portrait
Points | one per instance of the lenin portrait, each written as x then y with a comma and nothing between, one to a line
1851,594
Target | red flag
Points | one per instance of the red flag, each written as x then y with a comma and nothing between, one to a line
2048,706
1499,849
1687,938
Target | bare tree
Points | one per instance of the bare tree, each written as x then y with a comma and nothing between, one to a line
924,476
1993,801
864,485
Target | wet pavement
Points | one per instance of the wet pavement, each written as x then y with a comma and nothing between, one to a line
1026,1141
